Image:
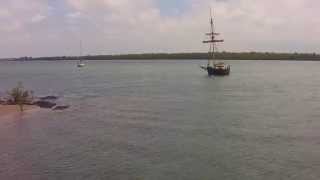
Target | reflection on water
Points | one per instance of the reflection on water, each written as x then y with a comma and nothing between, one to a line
165,120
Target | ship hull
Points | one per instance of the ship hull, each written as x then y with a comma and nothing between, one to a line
218,72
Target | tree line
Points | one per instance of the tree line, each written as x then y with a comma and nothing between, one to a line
187,56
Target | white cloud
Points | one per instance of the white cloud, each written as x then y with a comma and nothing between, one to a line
74,15
125,26
17,14
38,18
4,13
274,25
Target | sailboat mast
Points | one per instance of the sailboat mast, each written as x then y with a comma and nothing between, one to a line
80,53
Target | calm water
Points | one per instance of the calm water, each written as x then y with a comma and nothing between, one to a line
144,120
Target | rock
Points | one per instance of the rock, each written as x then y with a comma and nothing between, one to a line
49,98
59,108
3,102
9,102
45,104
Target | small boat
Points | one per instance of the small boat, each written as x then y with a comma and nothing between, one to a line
80,63
213,67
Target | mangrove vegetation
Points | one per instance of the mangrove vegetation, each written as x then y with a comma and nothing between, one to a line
186,56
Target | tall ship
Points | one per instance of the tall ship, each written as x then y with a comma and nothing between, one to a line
214,67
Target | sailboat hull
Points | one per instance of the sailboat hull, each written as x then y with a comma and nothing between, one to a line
80,65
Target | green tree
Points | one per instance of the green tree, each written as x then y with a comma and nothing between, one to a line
19,96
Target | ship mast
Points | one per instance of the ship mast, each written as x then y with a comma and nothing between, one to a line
80,50
212,35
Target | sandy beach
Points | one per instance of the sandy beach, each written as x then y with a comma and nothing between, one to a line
9,110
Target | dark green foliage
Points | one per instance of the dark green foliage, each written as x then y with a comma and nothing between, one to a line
184,56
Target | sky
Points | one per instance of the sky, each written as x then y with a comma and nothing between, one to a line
56,27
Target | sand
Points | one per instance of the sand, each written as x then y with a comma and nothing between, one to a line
8,110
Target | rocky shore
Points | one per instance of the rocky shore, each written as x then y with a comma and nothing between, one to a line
47,102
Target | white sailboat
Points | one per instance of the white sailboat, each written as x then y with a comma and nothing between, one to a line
80,64
81,61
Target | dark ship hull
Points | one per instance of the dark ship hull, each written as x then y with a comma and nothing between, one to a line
218,71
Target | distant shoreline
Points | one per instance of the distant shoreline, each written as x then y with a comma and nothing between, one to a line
158,60
183,56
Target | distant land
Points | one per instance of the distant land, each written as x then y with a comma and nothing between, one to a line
184,56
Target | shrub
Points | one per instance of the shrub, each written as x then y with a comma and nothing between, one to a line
19,96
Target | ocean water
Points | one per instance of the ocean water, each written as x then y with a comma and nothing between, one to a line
165,120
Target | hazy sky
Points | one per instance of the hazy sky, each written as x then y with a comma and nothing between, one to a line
55,27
